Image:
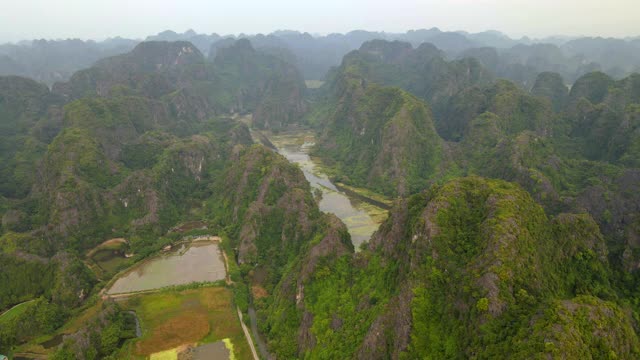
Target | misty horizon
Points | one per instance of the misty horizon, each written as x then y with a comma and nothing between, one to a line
319,35
74,19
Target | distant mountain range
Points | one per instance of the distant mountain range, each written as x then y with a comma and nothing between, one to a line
49,61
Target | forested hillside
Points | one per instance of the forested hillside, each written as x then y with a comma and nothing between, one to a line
515,220
571,150
446,273
127,148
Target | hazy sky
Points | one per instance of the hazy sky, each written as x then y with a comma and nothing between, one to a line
99,19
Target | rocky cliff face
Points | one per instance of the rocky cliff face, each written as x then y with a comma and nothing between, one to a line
444,276
422,71
91,192
269,201
117,165
128,147
277,231
238,79
123,156
518,111
29,119
568,153
371,133
283,103
270,87
551,86
151,68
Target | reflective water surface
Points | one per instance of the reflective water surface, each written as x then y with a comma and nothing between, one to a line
195,262
357,215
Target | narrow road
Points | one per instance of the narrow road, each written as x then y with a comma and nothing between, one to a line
262,347
247,335
244,327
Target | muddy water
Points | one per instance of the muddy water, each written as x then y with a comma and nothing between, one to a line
213,351
195,262
360,217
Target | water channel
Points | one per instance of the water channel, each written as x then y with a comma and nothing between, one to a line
361,217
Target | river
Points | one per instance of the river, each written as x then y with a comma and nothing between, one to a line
362,218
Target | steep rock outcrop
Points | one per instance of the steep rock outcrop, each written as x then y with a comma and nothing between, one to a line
551,86
372,136
152,68
443,277
265,84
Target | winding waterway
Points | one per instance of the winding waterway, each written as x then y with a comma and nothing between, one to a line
362,218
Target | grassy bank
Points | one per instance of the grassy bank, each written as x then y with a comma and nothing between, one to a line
13,313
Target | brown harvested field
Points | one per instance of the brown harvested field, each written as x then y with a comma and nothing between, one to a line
174,318
180,330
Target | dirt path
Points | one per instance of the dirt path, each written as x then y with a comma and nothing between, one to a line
247,335
262,347
244,327
106,244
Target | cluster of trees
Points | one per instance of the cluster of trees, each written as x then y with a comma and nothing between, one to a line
40,317
100,337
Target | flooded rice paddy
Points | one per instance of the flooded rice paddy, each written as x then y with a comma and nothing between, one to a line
195,262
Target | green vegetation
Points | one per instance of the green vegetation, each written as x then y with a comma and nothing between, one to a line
23,280
264,205
537,259
242,69
573,151
116,152
374,116
173,318
24,132
37,317
100,337
477,260
15,312
551,86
